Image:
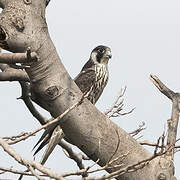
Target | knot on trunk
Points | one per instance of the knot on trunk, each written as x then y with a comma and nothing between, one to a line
162,176
53,92
27,2
18,24
3,38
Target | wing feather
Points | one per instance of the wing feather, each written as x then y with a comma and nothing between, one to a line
85,80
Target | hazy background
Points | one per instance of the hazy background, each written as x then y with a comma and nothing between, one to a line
144,37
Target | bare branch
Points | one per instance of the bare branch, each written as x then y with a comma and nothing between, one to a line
28,163
146,143
173,122
11,74
17,139
4,170
21,76
71,154
173,125
128,169
156,147
121,94
137,131
163,142
79,157
89,171
162,88
50,122
26,98
13,138
12,58
34,172
117,106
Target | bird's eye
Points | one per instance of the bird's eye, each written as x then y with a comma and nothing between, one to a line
101,50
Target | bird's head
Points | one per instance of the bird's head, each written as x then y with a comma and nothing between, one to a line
101,55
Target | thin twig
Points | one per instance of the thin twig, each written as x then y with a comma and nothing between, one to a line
138,130
34,173
156,147
26,98
89,171
117,106
71,154
127,169
49,123
12,138
121,94
146,143
10,170
28,163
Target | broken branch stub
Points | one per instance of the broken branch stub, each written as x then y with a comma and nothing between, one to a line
173,122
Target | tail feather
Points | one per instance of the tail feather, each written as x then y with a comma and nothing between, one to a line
45,137
51,136
43,143
56,136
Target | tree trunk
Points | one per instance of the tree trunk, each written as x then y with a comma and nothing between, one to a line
23,25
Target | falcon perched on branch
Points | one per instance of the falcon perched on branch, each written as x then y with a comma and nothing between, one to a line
94,75
91,80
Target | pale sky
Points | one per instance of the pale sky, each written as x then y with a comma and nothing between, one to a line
144,37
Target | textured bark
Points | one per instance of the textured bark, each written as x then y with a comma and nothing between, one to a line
23,25
3,3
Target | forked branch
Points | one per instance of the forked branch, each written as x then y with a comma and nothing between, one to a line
29,164
173,122
116,109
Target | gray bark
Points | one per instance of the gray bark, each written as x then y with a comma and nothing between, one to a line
23,22
3,3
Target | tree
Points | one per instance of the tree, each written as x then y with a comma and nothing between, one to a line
98,137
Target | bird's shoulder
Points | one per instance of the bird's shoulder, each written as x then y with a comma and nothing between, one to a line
85,79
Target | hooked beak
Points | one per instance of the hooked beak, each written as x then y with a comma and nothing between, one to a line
108,54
